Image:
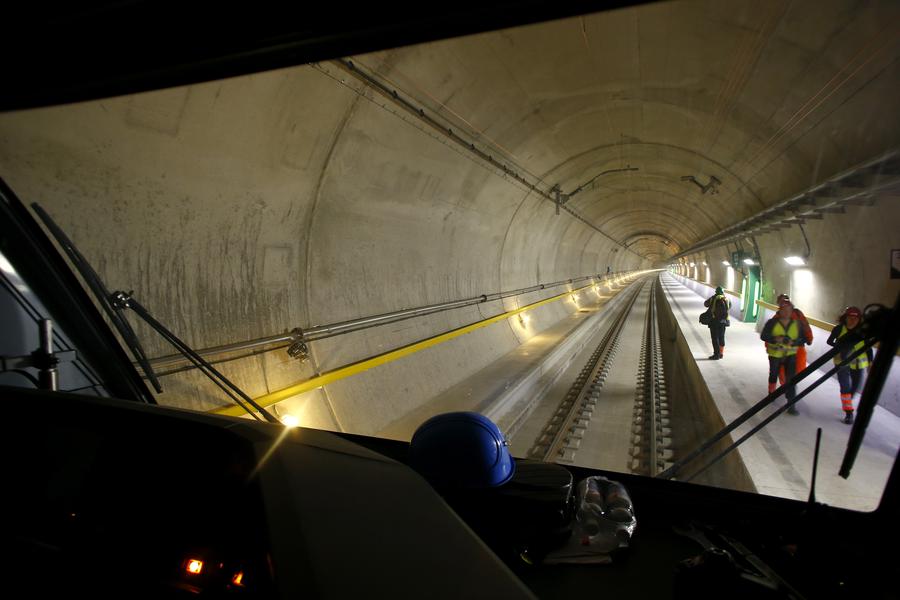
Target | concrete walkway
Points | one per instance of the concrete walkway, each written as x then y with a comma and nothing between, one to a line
779,457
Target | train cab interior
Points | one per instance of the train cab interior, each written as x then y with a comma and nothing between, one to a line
113,494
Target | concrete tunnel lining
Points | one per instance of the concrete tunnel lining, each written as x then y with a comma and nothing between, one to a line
252,205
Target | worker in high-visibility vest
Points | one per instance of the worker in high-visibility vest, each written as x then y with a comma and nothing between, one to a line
783,334
807,336
850,374
718,306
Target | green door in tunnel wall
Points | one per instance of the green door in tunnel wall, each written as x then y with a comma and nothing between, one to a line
753,288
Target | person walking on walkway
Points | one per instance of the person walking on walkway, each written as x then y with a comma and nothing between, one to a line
783,335
718,309
807,336
850,374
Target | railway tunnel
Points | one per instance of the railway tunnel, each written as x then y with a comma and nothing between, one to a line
451,224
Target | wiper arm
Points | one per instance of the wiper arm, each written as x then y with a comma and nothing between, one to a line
121,300
114,302
93,281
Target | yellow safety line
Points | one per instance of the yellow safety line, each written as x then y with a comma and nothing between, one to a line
369,363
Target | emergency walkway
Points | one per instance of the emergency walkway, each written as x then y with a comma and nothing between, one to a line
779,457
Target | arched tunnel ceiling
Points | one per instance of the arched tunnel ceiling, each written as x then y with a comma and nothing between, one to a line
246,207
758,96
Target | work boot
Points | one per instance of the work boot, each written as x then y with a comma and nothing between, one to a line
715,357
792,410
848,417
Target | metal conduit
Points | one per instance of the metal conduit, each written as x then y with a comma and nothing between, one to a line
381,359
393,95
318,332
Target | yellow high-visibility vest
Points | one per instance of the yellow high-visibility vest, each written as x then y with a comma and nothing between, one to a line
861,361
777,350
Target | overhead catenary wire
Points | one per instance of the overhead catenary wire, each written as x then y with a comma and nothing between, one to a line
420,113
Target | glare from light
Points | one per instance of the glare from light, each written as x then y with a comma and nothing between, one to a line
238,579
756,296
803,285
729,278
749,261
704,264
5,266
290,421
194,566
523,319
795,261
726,263
692,265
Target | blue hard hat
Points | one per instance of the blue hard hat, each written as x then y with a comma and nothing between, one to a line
463,450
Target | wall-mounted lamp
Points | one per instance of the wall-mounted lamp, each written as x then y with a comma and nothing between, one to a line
795,261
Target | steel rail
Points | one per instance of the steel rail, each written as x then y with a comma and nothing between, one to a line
582,396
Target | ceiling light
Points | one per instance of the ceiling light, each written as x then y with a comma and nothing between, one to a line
795,261
749,261
704,264
726,263
692,265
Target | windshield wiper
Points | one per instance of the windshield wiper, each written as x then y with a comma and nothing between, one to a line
114,302
93,281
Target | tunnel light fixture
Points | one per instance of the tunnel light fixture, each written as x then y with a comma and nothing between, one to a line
795,261
704,264
290,421
692,265
726,263
749,261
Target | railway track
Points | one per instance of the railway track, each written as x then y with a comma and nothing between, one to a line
562,437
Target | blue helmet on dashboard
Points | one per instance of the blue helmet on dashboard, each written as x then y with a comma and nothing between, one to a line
461,450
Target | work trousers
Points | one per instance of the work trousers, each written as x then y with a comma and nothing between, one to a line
849,379
717,334
790,365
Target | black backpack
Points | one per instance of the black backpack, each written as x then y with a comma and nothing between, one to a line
720,308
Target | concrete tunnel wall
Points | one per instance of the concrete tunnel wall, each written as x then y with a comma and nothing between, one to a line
249,206
231,221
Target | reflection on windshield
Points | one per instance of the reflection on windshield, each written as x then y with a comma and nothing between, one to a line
523,223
